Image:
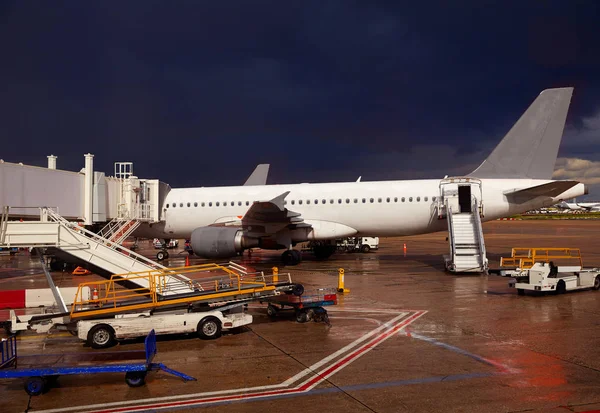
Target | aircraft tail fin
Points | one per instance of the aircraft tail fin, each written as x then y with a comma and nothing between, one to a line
530,148
259,176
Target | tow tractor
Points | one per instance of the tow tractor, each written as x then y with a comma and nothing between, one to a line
545,276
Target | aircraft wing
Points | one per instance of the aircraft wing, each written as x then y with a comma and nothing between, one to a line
259,176
551,189
268,217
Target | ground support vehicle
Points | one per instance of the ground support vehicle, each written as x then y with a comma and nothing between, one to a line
357,244
567,260
103,333
543,276
39,375
308,306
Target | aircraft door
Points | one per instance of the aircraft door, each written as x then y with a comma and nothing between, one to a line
464,198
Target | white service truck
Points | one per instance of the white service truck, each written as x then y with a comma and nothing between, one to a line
543,276
356,244
102,333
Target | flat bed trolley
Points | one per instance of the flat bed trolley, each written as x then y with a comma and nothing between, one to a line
41,371
308,306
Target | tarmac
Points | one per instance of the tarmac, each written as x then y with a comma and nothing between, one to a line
408,337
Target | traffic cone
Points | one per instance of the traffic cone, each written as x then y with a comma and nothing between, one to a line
187,260
405,249
95,294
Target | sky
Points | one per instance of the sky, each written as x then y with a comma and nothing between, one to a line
196,93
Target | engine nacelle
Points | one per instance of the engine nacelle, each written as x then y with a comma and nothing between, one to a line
220,242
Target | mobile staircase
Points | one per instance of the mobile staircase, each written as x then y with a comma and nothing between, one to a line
119,229
104,252
460,204
467,246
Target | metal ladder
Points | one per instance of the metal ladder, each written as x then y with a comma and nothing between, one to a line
118,229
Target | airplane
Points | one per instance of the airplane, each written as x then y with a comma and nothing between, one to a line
584,206
516,177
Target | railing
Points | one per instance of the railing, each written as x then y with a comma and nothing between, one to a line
111,298
450,229
479,228
525,257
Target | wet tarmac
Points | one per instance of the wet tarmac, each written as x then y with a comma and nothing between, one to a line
407,338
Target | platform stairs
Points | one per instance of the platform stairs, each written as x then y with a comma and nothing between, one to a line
53,231
467,245
119,229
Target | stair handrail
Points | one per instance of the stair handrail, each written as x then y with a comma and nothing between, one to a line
118,248
4,224
448,209
479,228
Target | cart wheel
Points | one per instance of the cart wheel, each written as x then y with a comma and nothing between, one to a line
272,310
209,328
135,378
365,248
597,282
161,255
34,386
561,287
298,290
310,314
101,336
301,317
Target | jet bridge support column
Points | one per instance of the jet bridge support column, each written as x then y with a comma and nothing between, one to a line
88,183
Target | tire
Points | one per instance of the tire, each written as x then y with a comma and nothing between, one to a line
135,378
298,290
297,256
520,291
209,328
597,282
272,310
365,248
291,257
34,386
561,287
301,317
101,336
161,255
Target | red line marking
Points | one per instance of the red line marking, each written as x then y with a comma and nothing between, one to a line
299,389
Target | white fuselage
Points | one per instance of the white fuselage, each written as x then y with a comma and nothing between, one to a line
385,208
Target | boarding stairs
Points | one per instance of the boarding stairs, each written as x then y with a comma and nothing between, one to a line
467,245
119,229
52,230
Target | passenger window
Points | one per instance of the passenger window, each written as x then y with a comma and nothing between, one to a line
387,200
225,203
210,204
167,205
331,201
202,204
347,200
355,201
217,204
300,202
323,201
339,201
293,202
396,199
433,198
410,199
364,200
403,199
188,204
308,202
425,199
247,203
371,200
174,204
316,201
239,203
378,199
232,203
181,204
195,204
418,199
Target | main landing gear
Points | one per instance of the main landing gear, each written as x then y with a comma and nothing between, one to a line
291,257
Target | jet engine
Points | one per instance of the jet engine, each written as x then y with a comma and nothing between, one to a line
220,242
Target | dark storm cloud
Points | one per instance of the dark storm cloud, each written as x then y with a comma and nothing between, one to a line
197,93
